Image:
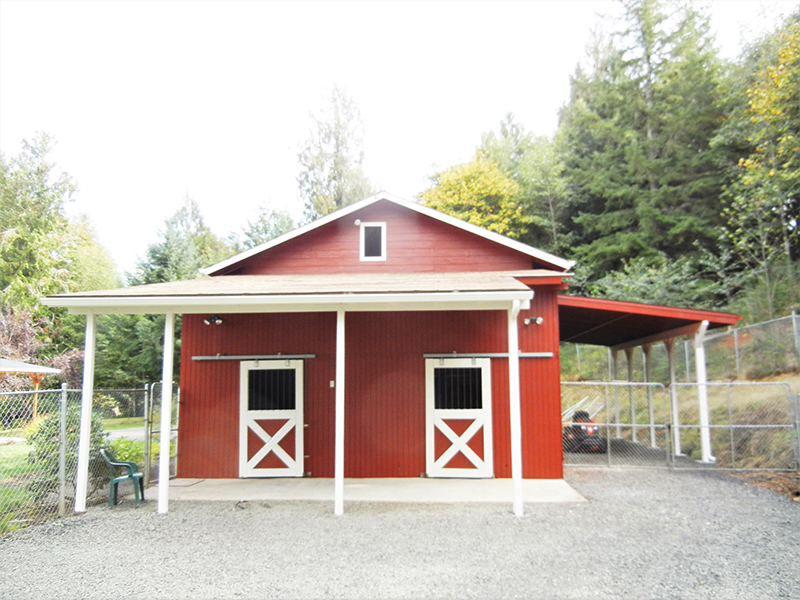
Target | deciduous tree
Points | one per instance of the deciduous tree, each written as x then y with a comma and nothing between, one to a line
331,174
480,193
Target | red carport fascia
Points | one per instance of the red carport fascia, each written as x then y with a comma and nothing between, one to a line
720,319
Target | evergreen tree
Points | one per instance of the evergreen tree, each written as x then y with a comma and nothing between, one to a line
534,164
635,140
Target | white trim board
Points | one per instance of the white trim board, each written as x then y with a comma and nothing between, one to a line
540,255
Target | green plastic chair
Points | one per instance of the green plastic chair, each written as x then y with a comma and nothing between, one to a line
133,474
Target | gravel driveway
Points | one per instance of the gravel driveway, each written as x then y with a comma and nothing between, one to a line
643,534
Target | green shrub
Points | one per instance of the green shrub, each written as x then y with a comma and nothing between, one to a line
45,454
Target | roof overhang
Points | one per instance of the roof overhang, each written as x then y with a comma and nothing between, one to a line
311,293
21,368
620,325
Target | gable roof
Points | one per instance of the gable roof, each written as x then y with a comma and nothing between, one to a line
549,260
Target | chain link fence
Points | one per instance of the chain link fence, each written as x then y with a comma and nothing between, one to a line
749,425
755,351
751,352
39,457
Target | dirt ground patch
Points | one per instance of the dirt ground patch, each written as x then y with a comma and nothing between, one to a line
786,483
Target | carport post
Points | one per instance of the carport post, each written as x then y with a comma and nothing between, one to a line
702,393
673,398
648,378
629,357
86,414
615,356
338,451
515,410
166,413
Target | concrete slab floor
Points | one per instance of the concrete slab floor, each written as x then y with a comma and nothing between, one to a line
374,490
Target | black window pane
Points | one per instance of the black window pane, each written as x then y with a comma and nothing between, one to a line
271,389
373,245
457,388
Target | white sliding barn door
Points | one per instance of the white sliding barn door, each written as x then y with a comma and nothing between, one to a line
271,418
458,399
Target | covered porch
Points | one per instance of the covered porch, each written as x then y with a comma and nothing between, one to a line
400,489
503,292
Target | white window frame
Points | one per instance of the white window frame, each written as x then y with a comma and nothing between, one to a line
382,257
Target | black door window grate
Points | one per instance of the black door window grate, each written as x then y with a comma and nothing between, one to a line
271,389
457,388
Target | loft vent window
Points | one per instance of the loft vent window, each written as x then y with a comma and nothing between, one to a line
373,241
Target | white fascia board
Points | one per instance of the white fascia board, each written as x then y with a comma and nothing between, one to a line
489,235
295,303
342,212
415,206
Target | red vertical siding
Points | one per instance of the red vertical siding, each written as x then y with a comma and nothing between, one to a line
541,389
385,387
209,426
414,243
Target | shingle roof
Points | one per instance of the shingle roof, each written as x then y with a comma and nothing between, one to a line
316,292
336,283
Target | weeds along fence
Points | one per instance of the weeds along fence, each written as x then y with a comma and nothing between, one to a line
751,352
39,458
750,425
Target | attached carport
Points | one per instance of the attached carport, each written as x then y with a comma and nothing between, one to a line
627,325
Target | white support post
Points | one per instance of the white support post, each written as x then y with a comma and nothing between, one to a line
648,378
166,413
338,461
86,414
702,393
673,399
631,399
617,414
515,409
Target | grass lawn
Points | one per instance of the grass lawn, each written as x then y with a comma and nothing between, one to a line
14,460
123,423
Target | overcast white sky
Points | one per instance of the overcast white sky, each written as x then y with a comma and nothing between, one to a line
149,101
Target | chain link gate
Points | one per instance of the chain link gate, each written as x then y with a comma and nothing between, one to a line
749,425
152,434
633,419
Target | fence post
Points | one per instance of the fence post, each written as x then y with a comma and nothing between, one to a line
736,353
796,427
796,332
146,437
62,455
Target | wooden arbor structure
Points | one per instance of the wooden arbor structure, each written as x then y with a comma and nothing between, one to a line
36,372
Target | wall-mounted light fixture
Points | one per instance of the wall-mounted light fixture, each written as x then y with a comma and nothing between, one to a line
358,222
534,320
212,320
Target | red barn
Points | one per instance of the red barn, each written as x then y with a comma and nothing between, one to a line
384,340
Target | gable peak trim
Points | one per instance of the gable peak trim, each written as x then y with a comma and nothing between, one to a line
540,255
